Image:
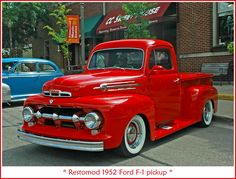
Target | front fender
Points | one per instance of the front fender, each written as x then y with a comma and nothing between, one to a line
117,111
124,108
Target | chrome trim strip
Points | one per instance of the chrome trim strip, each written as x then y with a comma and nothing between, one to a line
14,98
61,143
24,95
31,76
18,100
129,85
58,117
48,93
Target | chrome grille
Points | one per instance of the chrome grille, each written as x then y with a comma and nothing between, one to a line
57,93
60,117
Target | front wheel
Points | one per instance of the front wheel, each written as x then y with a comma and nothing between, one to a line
134,137
207,114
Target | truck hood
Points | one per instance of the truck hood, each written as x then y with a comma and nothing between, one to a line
87,84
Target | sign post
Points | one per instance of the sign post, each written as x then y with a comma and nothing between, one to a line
82,34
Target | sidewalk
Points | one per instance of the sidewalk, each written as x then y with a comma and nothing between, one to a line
225,92
225,109
226,101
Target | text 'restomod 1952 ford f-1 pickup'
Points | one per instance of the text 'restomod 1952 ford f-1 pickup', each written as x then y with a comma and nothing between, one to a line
130,90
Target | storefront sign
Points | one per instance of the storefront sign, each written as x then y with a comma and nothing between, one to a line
112,21
73,29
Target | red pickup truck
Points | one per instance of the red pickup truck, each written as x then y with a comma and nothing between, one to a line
130,90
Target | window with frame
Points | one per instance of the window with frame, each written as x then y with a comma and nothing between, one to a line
46,68
25,67
160,57
225,23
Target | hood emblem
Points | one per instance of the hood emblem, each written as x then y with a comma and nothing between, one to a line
54,91
51,101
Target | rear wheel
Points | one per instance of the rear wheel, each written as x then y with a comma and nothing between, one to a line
207,114
134,137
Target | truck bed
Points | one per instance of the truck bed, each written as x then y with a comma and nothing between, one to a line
194,76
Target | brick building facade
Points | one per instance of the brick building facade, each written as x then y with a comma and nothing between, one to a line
195,38
193,32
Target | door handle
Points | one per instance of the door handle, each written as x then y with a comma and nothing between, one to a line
176,80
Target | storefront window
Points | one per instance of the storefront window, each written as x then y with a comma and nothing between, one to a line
225,23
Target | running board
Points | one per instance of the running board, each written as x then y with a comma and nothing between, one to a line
175,126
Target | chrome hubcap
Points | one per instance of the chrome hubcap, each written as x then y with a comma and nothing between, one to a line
133,134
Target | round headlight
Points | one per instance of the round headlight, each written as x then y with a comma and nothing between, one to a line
92,120
28,114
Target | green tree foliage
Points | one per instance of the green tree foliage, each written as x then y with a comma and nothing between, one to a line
59,32
230,47
139,27
23,17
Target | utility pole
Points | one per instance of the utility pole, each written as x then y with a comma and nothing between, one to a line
103,8
10,35
82,33
215,24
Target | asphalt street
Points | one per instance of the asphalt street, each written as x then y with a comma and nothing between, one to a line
193,146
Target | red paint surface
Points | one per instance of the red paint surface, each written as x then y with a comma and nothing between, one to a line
159,98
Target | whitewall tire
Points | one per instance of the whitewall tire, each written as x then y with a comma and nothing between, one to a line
207,114
134,137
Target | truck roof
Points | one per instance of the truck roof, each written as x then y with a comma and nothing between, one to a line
133,43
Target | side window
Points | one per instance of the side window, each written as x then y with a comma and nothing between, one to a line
46,68
25,67
160,57
152,60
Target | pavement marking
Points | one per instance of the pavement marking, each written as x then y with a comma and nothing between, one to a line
157,161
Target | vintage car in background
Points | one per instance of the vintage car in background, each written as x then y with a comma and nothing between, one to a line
6,93
25,76
130,90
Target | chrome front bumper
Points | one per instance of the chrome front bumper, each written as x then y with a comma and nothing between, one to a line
60,143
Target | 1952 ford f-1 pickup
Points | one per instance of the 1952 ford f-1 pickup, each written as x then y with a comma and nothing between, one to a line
130,90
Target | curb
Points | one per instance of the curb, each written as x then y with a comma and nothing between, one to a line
227,97
224,118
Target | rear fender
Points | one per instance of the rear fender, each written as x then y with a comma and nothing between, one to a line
195,98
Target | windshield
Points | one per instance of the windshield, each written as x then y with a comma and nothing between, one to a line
7,66
117,58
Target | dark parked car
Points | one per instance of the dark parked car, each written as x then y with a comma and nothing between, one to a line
26,76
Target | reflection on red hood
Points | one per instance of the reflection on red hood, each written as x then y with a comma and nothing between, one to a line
96,83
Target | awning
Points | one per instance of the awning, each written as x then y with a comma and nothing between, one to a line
90,25
111,21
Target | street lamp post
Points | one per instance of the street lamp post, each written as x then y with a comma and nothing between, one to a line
10,34
82,34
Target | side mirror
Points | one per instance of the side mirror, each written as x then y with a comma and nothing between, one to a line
156,68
